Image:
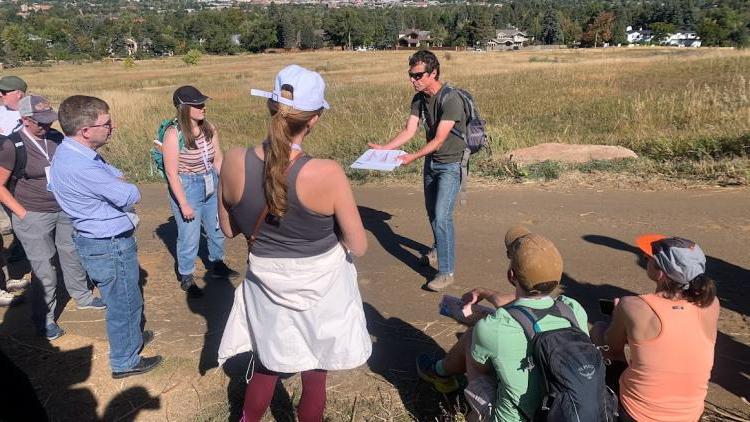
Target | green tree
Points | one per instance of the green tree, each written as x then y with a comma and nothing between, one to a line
660,31
258,34
192,57
551,30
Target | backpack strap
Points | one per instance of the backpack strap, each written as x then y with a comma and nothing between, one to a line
529,318
19,166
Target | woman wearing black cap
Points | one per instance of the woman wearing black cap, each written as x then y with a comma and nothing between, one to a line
192,162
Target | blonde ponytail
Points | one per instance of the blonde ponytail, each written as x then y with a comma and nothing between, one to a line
286,122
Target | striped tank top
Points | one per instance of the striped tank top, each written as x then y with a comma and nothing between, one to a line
191,160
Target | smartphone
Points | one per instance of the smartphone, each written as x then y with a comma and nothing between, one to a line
606,306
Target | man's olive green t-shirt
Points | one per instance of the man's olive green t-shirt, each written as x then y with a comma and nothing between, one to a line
452,109
499,339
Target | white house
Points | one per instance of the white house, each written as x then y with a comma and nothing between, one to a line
683,39
509,38
638,36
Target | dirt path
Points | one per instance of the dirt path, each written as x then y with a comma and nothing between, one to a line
592,228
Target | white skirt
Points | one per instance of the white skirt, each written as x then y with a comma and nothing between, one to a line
299,314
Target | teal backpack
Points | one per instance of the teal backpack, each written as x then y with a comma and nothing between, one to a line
157,154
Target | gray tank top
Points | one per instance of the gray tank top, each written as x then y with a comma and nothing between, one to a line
301,233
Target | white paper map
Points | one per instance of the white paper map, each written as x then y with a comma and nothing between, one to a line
378,159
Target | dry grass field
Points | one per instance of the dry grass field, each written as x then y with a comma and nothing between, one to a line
663,103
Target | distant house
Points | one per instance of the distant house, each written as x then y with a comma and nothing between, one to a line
414,38
639,36
507,39
683,39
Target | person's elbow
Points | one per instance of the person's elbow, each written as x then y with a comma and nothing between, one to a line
359,247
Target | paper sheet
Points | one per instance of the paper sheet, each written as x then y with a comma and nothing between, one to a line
378,159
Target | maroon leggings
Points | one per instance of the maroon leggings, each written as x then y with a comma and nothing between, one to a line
260,390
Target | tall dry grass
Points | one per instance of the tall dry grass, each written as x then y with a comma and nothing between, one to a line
656,101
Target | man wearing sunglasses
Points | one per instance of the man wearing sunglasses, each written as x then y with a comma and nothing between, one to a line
40,224
443,153
12,89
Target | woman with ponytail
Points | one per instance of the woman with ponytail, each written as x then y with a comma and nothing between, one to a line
192,162
670,333
299,308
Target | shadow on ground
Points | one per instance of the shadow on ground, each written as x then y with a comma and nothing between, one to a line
732,358
394,353
215,304
40,380
400,247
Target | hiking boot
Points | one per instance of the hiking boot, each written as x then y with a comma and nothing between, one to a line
7,299
17,284
220,270
426,371
440,282
187,283
429,259
53,331
96,303
145,365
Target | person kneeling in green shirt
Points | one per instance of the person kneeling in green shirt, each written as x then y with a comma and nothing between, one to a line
494,352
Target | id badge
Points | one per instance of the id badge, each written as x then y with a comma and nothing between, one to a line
46,174
208,180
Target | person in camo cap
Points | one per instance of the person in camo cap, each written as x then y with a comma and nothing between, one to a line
671,334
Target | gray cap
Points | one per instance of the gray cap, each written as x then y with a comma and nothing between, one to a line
12,83
37,108
681,260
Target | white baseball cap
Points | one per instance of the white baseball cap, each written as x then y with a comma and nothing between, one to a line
308,89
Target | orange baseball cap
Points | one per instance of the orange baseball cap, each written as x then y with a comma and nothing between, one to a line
644,242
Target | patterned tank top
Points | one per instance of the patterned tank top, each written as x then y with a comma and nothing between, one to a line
191,160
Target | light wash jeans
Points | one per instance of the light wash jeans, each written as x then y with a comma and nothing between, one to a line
441,185
44,235
112,265
189,232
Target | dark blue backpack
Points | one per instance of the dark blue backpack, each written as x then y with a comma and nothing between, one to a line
572,368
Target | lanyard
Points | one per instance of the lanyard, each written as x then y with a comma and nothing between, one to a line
204,155
44,151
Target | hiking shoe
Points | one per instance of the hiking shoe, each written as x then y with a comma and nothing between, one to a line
16,284
7,299
429,259
220,270
96,303
440,282
53,331
187,283
426,371
145,365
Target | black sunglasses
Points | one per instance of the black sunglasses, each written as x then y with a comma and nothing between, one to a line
417,75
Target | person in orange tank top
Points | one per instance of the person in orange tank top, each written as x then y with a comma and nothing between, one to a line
670,335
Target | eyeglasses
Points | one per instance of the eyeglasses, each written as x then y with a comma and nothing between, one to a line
198,106
107,125
417,75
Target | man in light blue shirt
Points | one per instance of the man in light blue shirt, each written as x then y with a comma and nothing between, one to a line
98,200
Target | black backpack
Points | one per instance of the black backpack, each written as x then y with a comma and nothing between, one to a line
572,368
19,167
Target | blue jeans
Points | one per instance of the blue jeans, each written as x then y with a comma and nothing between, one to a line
442,183
189,232
112,264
